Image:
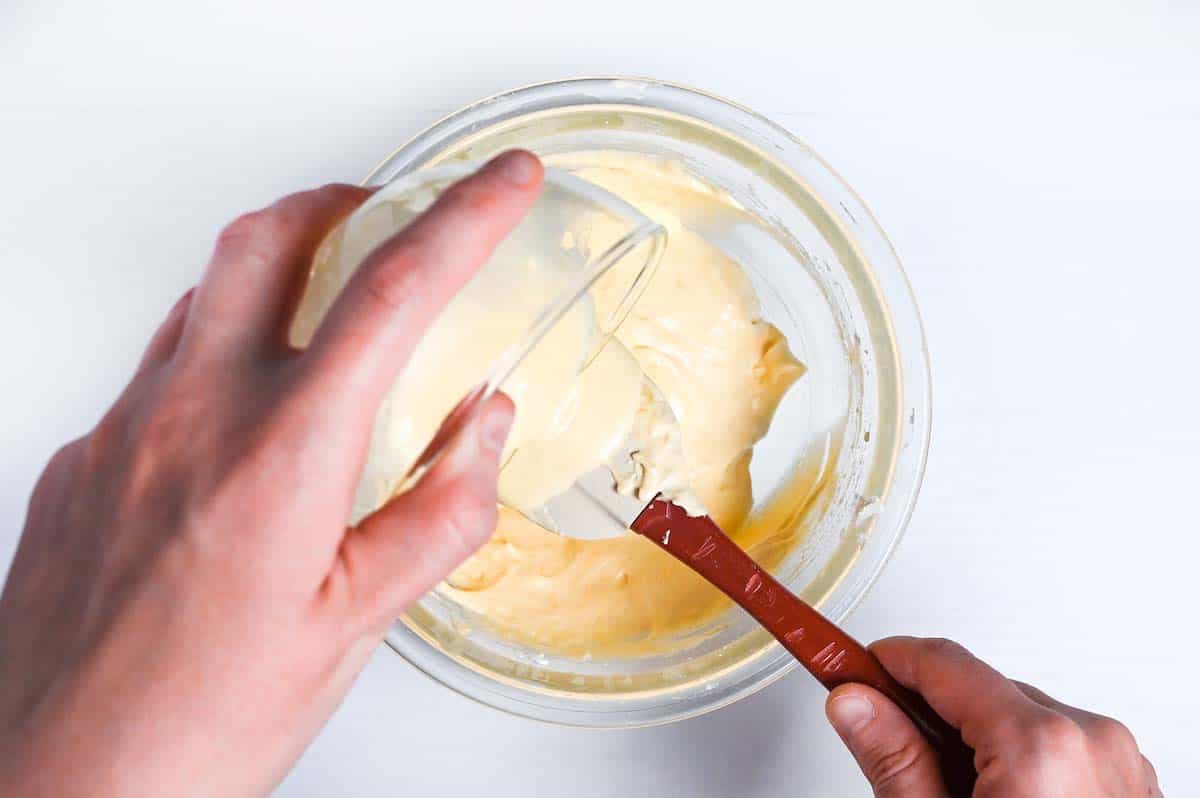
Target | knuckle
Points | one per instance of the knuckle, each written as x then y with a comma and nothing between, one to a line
944,647
1150,774
66,455
888,767
238,230
107,436
936,653
250,230
1112,736
1047,756
394,284
344,191
58,472
300,207
1044,754
386,601
468,525
1054,736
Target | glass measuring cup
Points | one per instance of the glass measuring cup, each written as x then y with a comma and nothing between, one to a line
541,278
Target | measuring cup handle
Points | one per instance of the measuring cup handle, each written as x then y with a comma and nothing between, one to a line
825,651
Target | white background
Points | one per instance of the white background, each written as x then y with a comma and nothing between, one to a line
1035,165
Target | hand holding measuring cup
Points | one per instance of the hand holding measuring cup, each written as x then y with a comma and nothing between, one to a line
187,605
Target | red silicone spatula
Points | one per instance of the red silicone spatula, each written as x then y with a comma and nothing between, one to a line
592,509
825,651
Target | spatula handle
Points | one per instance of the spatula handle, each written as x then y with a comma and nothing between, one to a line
825,651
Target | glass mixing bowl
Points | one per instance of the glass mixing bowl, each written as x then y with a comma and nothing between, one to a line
840,468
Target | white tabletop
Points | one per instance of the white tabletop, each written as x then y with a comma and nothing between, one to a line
1036,169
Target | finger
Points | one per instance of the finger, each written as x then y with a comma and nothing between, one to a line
1153,788
402,550
258,269
966,691
162,345
395,294
892,754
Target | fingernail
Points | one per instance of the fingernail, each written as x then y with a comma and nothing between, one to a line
850,713
494,430
516,166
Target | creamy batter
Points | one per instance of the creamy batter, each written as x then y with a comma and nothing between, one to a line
697,333
691,380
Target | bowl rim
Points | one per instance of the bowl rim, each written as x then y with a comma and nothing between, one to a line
916,385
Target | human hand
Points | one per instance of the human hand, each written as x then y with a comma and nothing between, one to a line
187,606
1026,744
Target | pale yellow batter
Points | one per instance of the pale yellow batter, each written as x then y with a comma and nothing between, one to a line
692,379
698,335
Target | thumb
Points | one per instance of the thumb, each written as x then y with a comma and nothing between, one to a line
403,549
891,752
